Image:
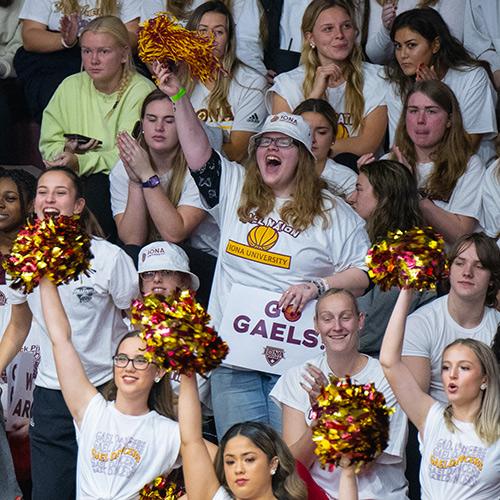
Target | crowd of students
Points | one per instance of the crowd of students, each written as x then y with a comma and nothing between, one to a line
331,123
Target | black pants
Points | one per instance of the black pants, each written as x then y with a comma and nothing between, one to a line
53,447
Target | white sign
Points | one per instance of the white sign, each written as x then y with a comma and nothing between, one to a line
264,338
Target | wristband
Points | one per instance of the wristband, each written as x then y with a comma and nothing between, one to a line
321,286
66,46
181,93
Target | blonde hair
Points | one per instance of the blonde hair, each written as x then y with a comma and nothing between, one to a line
218,106
352,70
487,420
112,25
453,151
180,8
179,167
307,202
104,7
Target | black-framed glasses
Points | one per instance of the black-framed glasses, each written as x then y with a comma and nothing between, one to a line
122,361
279,142
150,275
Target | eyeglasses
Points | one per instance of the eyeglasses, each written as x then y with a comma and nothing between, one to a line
122,361
150,275
279,142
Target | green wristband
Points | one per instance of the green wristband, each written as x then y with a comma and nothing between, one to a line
179,95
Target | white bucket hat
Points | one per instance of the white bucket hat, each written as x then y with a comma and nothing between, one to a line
292,125
164,256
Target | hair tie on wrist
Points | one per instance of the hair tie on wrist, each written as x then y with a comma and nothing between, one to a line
66,46
179,95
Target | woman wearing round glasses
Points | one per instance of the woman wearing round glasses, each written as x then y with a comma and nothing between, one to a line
281,231
127,436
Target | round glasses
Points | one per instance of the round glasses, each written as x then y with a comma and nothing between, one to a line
150,275
279,142
122,361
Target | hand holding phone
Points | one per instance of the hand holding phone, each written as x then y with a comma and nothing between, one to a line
81,139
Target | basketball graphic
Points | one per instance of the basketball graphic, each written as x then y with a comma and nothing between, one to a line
342,132
262,237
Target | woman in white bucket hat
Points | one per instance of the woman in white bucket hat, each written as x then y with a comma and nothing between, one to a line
281,231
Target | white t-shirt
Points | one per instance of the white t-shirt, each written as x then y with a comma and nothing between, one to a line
48,12
431,328
464,199
477,98
385,477
288,256
289,87
205,237
222,494
458,464
491,200
341,180
482,31
118,454
93,305
246,98
379,46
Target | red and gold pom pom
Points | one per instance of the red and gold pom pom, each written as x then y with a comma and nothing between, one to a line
161,489
411,259
54,247
351,420
177,334
163,39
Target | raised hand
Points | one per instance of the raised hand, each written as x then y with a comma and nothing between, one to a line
69,29
329,75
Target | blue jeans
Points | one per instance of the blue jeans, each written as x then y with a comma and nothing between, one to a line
241,395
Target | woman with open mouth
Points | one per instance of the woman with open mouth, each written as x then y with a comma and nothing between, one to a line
281,231
460,439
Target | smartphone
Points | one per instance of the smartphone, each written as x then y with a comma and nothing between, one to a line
136,131
81,139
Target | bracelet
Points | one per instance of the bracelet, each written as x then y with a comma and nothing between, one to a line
66,46
181,93
321,286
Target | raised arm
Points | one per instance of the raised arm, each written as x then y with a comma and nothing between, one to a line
75,386
412,399
199,473
192,136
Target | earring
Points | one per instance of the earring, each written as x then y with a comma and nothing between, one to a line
312,45
483,386
273,472
157,379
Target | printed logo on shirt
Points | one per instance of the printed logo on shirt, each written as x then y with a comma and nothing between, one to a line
344,121
84,10
114,455
203,115
253,118
3,299
455,463
84,294
273,355
260,239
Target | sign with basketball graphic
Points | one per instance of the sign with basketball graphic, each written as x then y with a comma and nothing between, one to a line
261,336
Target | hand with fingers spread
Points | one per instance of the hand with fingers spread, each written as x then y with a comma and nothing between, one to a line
69,29
135,159
426,73
389,13
329,75
313,380
297,296
167,81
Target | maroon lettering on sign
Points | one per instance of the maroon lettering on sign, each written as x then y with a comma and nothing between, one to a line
290,338
273,355
240,324
272,310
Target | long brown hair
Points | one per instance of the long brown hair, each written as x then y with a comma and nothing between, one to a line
454,150
160,397
180,8
353,68
307,202
395,188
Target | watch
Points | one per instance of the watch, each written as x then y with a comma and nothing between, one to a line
152,182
